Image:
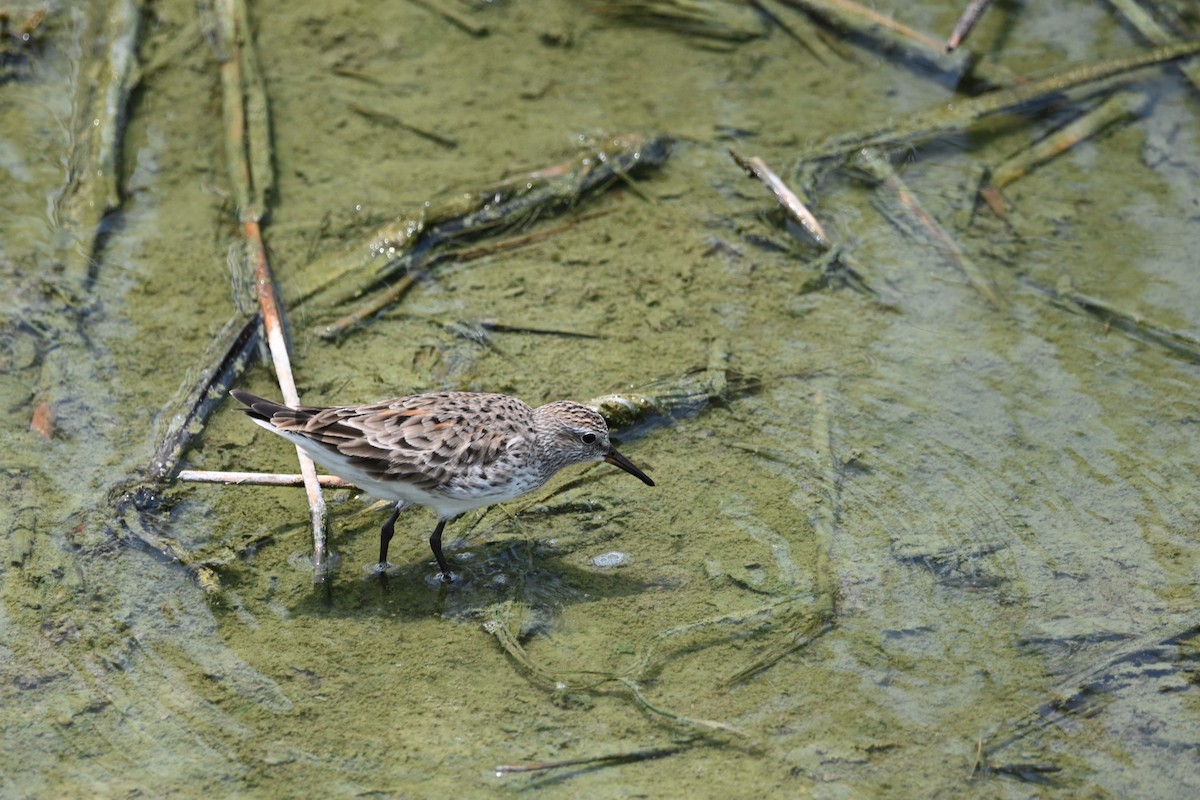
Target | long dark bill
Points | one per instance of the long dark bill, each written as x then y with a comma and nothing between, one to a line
618,460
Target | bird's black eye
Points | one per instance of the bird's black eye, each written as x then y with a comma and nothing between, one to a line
589,438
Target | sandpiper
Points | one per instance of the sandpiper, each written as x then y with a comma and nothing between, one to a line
450,451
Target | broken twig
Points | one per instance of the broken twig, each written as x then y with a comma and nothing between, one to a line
247,132
837,256
234,348
453,17
791,203
880,168
610,759
257,479
1120,106
940,119
970,16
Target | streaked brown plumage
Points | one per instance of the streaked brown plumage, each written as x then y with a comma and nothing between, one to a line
450,451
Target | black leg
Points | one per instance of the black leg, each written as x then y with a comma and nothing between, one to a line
385,535
435,542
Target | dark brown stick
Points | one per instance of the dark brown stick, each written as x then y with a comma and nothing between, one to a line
235,347
630,757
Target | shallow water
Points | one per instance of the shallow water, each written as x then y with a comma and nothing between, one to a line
935,528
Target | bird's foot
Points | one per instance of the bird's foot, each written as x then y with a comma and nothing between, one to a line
444,578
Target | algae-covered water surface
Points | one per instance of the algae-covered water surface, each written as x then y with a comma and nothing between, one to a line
925,520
